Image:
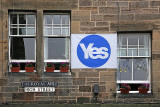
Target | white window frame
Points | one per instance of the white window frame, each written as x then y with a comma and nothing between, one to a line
9,38
57,24
56,36
133,57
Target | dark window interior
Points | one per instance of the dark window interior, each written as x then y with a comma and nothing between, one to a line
22,48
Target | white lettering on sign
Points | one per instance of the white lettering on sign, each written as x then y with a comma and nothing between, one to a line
39,89
94,52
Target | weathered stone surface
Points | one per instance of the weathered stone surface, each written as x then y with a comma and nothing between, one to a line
97,17
116,18
86,94
155,65
110,17
94,12
85,2
93,79
76,93
23,96
140,4
78,81
150,11
68,86
87,24
147,17
87,17
108,10
85,88
44,98
111,86
102,89
88,8
156,87
155,45
95,29
155,76
103,95
6,94
41,94
140,26
126,10
99,3
155,3
47,4
66,98
1,74
156,56
62,92
1,27
156,35
102,24
3,81
88,74
39,42
80,15
9,89
107,73
107,78
64,102
116,4
83,100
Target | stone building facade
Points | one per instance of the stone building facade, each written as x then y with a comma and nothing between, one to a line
86,17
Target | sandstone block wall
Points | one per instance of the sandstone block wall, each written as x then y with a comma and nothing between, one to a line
87,17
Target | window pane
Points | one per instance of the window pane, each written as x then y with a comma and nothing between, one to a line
65,19
65,31
48,31
132,52
129,52
56,48
123,52
57,31
143,52
125,69
22,19
140,69
123,41
30,19
22,31
48,19
56,19
22,48
144,46
141,40
30,31
13,31
135,52
132,40
13,18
